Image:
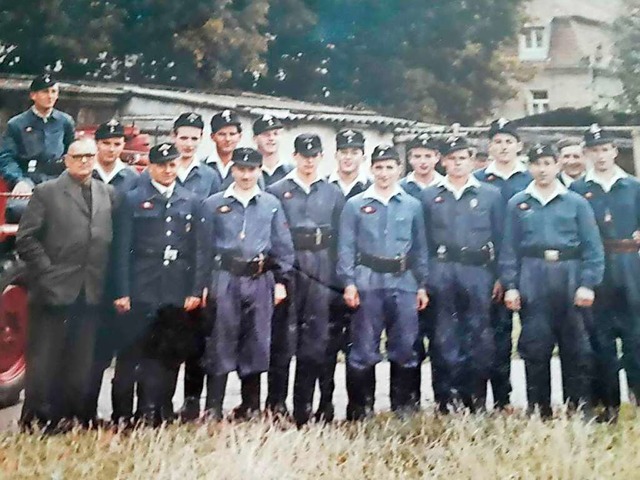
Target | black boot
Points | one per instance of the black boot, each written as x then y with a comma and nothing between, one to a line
326,382
361,392
538,378
403,390
216,387
250,392
303,388
278,385
190,410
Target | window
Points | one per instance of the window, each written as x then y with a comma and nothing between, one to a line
534,44
539,102
534,38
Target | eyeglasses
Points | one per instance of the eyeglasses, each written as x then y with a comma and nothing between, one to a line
83,157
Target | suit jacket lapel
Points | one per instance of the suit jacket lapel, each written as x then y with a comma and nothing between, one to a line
99,197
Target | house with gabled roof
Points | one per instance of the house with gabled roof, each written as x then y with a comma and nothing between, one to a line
568,48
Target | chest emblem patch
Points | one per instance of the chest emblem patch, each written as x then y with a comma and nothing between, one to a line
588,195
288,195
368,209
524,206
473,203
147,205
491,178
224,209
438,199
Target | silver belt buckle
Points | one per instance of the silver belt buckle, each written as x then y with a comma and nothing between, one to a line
552,255
403,264
318,236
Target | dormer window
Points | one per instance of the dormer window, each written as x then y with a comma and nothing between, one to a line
534,43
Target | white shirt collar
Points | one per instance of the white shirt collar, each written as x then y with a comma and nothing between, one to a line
293,175
437,180
472,181
184,173
45,118
535,193
230,192
214,160
107,177
567,180
346,188
271,171
166,192
372,193
619,174
492,169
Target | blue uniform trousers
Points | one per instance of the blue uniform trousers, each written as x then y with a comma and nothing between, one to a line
241,336
616,314
463,339
384,309
549,317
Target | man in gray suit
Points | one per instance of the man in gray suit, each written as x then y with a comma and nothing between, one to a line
64,238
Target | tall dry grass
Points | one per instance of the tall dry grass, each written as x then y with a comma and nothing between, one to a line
459,446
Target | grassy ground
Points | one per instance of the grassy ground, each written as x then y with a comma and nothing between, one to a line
457,447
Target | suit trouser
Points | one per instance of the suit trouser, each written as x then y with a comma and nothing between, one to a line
60,354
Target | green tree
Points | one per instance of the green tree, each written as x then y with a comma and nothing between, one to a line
443,59
195,43
627,30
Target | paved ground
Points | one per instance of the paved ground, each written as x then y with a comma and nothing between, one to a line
9,416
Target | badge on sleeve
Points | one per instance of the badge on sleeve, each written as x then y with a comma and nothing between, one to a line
147,205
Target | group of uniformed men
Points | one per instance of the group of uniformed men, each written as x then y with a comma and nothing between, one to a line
242,261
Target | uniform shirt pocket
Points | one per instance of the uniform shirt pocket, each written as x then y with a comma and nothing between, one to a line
403,228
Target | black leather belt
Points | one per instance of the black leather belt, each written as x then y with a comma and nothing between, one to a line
243,268
552,254
383,264
625,245
465,256
314,239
